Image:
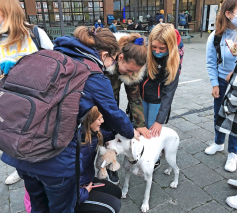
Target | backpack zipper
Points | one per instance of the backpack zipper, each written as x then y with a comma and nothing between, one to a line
32,111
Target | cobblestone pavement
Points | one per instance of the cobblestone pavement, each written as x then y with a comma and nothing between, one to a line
202,184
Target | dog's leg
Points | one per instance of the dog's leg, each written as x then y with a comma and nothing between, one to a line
126,183
172,162
145,203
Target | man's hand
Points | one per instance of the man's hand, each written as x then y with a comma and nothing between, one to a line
145,132
215,92
156,129
228,76
136,135
89,187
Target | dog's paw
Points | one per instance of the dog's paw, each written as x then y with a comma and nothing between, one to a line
145,207
174,184
124,195
167,171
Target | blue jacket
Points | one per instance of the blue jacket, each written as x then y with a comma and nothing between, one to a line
99,93
228,60
113,28
159,16
98,25
182,19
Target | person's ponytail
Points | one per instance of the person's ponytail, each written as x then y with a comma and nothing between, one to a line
85,35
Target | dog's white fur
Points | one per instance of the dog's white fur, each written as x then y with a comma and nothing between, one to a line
168,140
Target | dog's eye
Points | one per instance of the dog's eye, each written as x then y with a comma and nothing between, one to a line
119,141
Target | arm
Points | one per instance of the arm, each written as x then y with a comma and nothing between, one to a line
167,94
135,103
103,97
115,29
211,60
44,40
84,194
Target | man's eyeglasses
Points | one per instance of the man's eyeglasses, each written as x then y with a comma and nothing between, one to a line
114,60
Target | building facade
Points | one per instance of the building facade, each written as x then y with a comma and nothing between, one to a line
87,12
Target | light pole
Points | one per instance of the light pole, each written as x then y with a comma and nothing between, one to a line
203,9
43,15
176,13
61,17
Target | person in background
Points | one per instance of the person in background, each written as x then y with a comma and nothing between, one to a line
112,27
160,21
150,22
220,63
188,18
16,34
99,24
161,79
160,15
131,25
182,20
139,26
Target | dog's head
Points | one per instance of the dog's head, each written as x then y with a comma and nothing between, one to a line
121,145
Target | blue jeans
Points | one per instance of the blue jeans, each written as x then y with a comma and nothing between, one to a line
219,136
50,194
150,111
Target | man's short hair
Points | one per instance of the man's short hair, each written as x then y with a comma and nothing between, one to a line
115,21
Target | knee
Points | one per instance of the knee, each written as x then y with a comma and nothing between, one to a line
116,205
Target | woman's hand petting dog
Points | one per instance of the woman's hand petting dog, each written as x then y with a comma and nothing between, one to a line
156,129
145,132
89,187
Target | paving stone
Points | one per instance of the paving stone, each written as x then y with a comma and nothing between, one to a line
209,126
17,200
176,120
202,175
185,160
180,111
188,195
17,185
213,161
210,208
186,126
225,174
134,180
194,118
192,145
129,207
202,134
5,208
220,191
157,195
3,171
4,194
170,207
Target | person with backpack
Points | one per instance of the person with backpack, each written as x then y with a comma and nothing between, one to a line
160,15
51,168
22,39
182,20
188,18
161,78
220,62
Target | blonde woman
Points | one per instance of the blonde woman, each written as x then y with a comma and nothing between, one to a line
161,80
15,42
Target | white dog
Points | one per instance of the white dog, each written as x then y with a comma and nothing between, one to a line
142,155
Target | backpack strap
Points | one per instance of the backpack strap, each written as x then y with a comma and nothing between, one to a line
217,45
36,38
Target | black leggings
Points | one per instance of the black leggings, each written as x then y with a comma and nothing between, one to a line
105,199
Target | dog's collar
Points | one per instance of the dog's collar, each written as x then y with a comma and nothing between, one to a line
135,161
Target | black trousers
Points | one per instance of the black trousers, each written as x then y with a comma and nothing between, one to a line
105,199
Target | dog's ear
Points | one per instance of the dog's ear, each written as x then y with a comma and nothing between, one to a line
136,148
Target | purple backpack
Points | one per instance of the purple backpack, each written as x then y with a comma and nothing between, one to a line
39,104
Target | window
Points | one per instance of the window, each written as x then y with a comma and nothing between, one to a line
83,12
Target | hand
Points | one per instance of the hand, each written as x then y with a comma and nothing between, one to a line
89,187
145,132
136,135
215,92
156,129
228,76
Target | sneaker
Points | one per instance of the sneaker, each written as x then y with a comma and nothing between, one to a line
232,201
232,182
230,165
211,150
13,178
157,165
113,177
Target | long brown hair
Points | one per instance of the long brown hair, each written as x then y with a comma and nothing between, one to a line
102,39
165,34
222,21
92,116
14,23
132,51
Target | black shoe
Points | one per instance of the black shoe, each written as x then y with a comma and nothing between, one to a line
113,177
157,165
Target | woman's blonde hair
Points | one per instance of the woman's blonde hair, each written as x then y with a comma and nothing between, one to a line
92,116
15,23
165,34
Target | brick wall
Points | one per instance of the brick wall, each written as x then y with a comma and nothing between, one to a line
108,9
30,7
168,4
